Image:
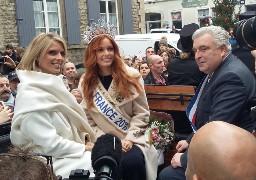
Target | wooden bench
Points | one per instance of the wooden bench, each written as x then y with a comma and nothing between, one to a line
168,98
175,98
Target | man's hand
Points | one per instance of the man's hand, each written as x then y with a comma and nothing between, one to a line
89,146
182,146
126,145
175,162
9,62
5,114
77,95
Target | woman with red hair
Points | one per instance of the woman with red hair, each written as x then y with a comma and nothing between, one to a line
115,102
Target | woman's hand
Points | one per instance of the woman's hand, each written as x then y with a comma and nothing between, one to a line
126,145
77,95
5,114
89,146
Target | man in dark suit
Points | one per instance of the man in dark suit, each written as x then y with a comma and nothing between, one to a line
230,85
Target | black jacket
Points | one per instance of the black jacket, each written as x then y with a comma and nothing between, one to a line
184,72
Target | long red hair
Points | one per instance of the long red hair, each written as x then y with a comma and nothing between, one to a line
119,73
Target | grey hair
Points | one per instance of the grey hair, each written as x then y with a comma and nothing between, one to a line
219,34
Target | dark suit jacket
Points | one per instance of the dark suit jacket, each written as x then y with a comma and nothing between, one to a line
246,57
224,98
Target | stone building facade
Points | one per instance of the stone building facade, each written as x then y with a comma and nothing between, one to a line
9,22
165,13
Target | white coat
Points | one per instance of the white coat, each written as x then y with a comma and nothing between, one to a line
47,117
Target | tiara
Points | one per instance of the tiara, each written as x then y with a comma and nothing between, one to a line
98,29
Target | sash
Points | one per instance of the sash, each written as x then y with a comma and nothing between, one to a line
192,106
109,112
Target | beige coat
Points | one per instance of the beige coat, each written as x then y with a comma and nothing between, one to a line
136,111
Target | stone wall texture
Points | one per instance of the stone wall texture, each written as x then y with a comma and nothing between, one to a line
9,32
8,27
138,16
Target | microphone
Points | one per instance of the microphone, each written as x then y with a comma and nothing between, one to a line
106,157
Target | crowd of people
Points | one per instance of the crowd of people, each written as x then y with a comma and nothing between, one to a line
59,112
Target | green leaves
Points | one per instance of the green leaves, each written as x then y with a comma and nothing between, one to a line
225,15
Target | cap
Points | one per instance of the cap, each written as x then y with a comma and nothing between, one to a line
12,75
163,41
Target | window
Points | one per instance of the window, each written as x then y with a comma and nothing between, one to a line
108,12
176,20
47,16
203,17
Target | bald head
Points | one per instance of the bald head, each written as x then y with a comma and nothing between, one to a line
152,58
156,64
220,151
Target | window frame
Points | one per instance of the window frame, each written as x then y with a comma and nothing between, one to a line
204,18
46,19
176,19
107,13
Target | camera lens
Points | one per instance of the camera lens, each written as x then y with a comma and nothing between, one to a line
245,33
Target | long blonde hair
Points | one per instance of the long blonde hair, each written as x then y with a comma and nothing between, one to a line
37,48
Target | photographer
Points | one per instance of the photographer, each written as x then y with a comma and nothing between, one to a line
245,33
7,60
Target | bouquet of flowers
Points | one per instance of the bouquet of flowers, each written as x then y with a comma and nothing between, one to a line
160,134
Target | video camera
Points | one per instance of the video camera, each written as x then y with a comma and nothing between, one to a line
79,174
106,158
245,33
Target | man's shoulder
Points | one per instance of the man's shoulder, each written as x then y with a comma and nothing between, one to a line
238,67
234,65
149,79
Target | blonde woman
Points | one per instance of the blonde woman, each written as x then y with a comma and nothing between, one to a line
47,116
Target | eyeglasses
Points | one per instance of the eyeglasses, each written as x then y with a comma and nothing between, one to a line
32,156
